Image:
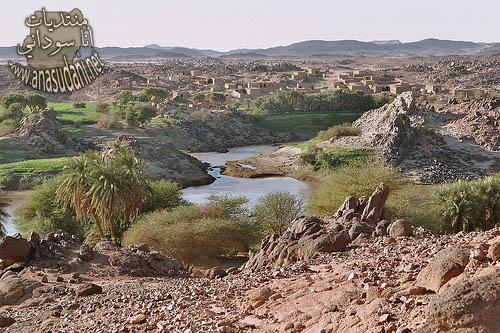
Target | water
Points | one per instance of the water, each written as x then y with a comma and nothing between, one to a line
16,198
252,188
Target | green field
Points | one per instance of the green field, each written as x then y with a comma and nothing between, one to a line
304,124
30,167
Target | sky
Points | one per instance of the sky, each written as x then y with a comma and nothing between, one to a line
231,24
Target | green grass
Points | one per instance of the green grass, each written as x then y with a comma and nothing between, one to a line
67,114
30,167
157,122
305,124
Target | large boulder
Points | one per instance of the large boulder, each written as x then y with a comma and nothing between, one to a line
13,288
376,204
447,264
467,306
400,228
15,249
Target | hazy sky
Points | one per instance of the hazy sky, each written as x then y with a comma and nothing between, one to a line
231,24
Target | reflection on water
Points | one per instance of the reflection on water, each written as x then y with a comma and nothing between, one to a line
16,198
252,188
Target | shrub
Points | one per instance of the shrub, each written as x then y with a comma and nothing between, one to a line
199,97
35,102
274,211
138,114
165,195
194,233
102,107
11,98
201,115
335,157
405,197
79,105
7,127
217,98
161,93
345,129
41,212
468,205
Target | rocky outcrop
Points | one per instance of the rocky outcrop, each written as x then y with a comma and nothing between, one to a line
468,306
355,220
446,265
13,288
42,132
138,260
14,249
163,160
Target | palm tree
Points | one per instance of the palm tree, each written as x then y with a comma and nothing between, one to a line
74,185
4,202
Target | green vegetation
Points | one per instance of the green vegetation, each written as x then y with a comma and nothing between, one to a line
31,167
303,124
344,129
328,101
165,196
109,188
201,115
161,93
4,202
138,114
78,105
467,205
35,102
274,211
194,233
68,114
406,200
42,213
199,97
12,98
217,98
317,158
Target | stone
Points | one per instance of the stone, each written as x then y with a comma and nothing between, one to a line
467,306
45,279
13,288
138,319
14,250
376,203
381,228
359,228
86,253
216,272
494,250
143,247
447,264
88,289
258,294
400,228
59,279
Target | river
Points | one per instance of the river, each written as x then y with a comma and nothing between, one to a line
252,188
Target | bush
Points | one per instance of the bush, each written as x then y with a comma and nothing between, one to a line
274,211
138,114
35,102
41,212
201,115
405,199
335,157
11,98
199,97
217,98
7,127
102,107
165,195
161,93
345,129
78,105
194,233
468,206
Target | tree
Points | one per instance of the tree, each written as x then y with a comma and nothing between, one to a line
276,210
199,97
11,98
13,112
125,98
35,102
161,93
139,114
102,107
217,98
4,202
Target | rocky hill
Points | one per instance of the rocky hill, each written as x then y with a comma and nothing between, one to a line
349,272
458,141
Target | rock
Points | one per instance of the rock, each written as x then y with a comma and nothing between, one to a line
400,228
14,250
138,319
6,321
45,279
88,289
376,203
12,288
216,272
59,279
258,294
494,251
34,238
143,247
467,306
381,228
358,228
106,246
86,253
446,265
